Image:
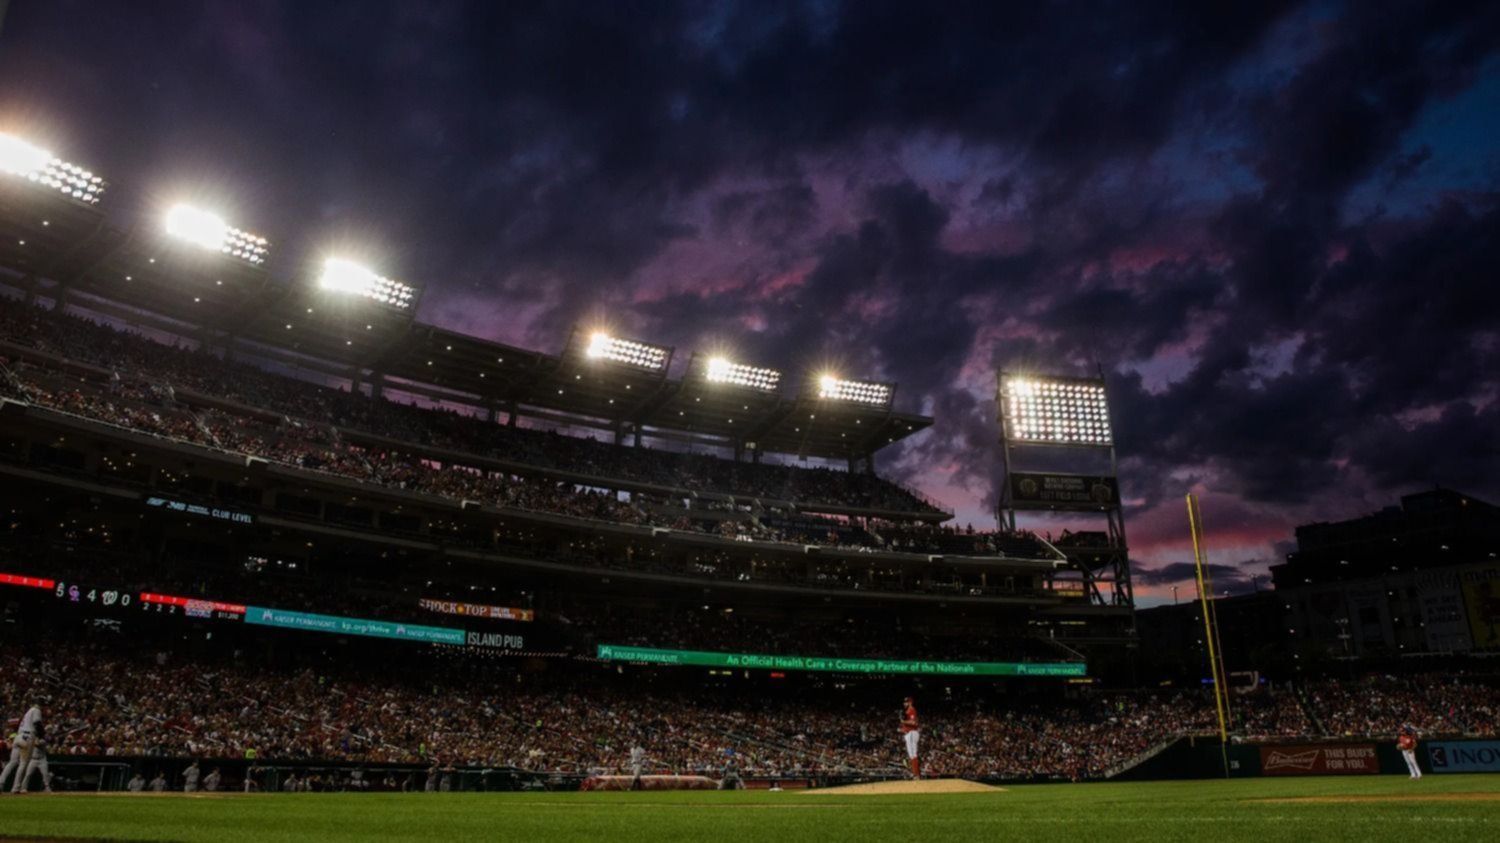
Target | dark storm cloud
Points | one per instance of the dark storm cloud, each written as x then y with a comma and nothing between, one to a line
1232,578
910,192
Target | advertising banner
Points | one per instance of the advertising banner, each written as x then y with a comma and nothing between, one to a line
195,607
476,610
1464,756
692,658
495,640
1481,590
199,509
1444,625
308,622
1319,760
1063,491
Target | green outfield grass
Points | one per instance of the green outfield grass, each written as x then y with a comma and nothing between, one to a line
1359,809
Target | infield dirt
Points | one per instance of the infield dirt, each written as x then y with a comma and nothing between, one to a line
907,787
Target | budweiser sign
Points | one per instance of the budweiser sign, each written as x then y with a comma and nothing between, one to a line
1313,760
476,610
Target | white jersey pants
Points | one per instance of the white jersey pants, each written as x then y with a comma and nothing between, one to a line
12,767
912,738
21,757
38,764
1411,763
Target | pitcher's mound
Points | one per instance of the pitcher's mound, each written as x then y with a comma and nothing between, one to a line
900,787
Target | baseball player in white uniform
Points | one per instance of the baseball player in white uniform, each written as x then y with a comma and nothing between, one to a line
38,764
13,766
22,746
637,765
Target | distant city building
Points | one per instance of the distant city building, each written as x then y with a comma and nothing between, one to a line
1422,578
1431,529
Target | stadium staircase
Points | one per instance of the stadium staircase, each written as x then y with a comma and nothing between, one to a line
1151,752
1309,711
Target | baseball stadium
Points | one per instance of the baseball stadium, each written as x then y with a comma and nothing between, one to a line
289,554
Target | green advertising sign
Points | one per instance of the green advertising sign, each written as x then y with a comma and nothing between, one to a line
735,661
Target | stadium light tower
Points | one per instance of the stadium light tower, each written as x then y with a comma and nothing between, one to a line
209,231
1055,411
831,387
602,346
1040,416
28,161
350,278
726,371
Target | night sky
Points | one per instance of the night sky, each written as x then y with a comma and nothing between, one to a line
1276,228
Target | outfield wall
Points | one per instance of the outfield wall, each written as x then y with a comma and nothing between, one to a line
111,773
1202,758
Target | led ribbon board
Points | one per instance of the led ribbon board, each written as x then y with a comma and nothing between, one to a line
199,509
693,658
308,622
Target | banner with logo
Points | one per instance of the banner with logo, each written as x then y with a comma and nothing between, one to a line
308,622
495,640
200,509
1444,624
1464,756
1063,491
611,652
1481,590
1319,760
476,610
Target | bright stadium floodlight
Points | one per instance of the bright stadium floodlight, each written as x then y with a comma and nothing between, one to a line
859,392
723,370
28,161
602,346
345,276
208,231
1059,411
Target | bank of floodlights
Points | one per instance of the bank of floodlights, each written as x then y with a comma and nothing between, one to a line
208,231
723,370
833,388
40,167
1055,410
602,346
346,276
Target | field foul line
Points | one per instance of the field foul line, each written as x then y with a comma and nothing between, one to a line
1193,820
1365,798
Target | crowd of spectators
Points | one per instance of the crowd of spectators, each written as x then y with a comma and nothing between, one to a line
565,621
154,408
101,699
1430,704
134,355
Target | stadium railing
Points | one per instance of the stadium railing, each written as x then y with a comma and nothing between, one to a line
71,775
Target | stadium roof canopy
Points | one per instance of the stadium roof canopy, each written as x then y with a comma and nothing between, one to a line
143,276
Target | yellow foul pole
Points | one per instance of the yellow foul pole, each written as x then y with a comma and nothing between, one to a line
1210,633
